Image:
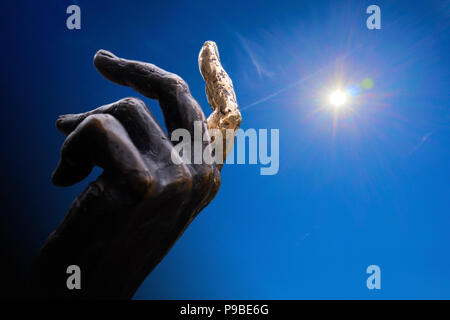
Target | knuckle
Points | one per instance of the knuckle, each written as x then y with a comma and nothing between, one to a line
208,177
141,181
96,121
177,83
181,180
180,82
133,102
183,175
129,104
135,185
182,86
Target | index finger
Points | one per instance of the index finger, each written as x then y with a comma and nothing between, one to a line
180,109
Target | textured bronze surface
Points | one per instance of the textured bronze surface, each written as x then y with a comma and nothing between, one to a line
125,222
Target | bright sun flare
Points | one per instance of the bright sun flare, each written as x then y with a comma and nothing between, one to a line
338,98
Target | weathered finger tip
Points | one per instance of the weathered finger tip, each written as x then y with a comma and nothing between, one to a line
104,54
104,58
209,43
111,67
208,50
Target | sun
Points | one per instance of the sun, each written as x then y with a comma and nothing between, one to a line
338,98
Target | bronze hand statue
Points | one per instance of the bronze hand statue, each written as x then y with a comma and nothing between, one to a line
126,221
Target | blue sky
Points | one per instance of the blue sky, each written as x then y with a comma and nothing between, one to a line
370,186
